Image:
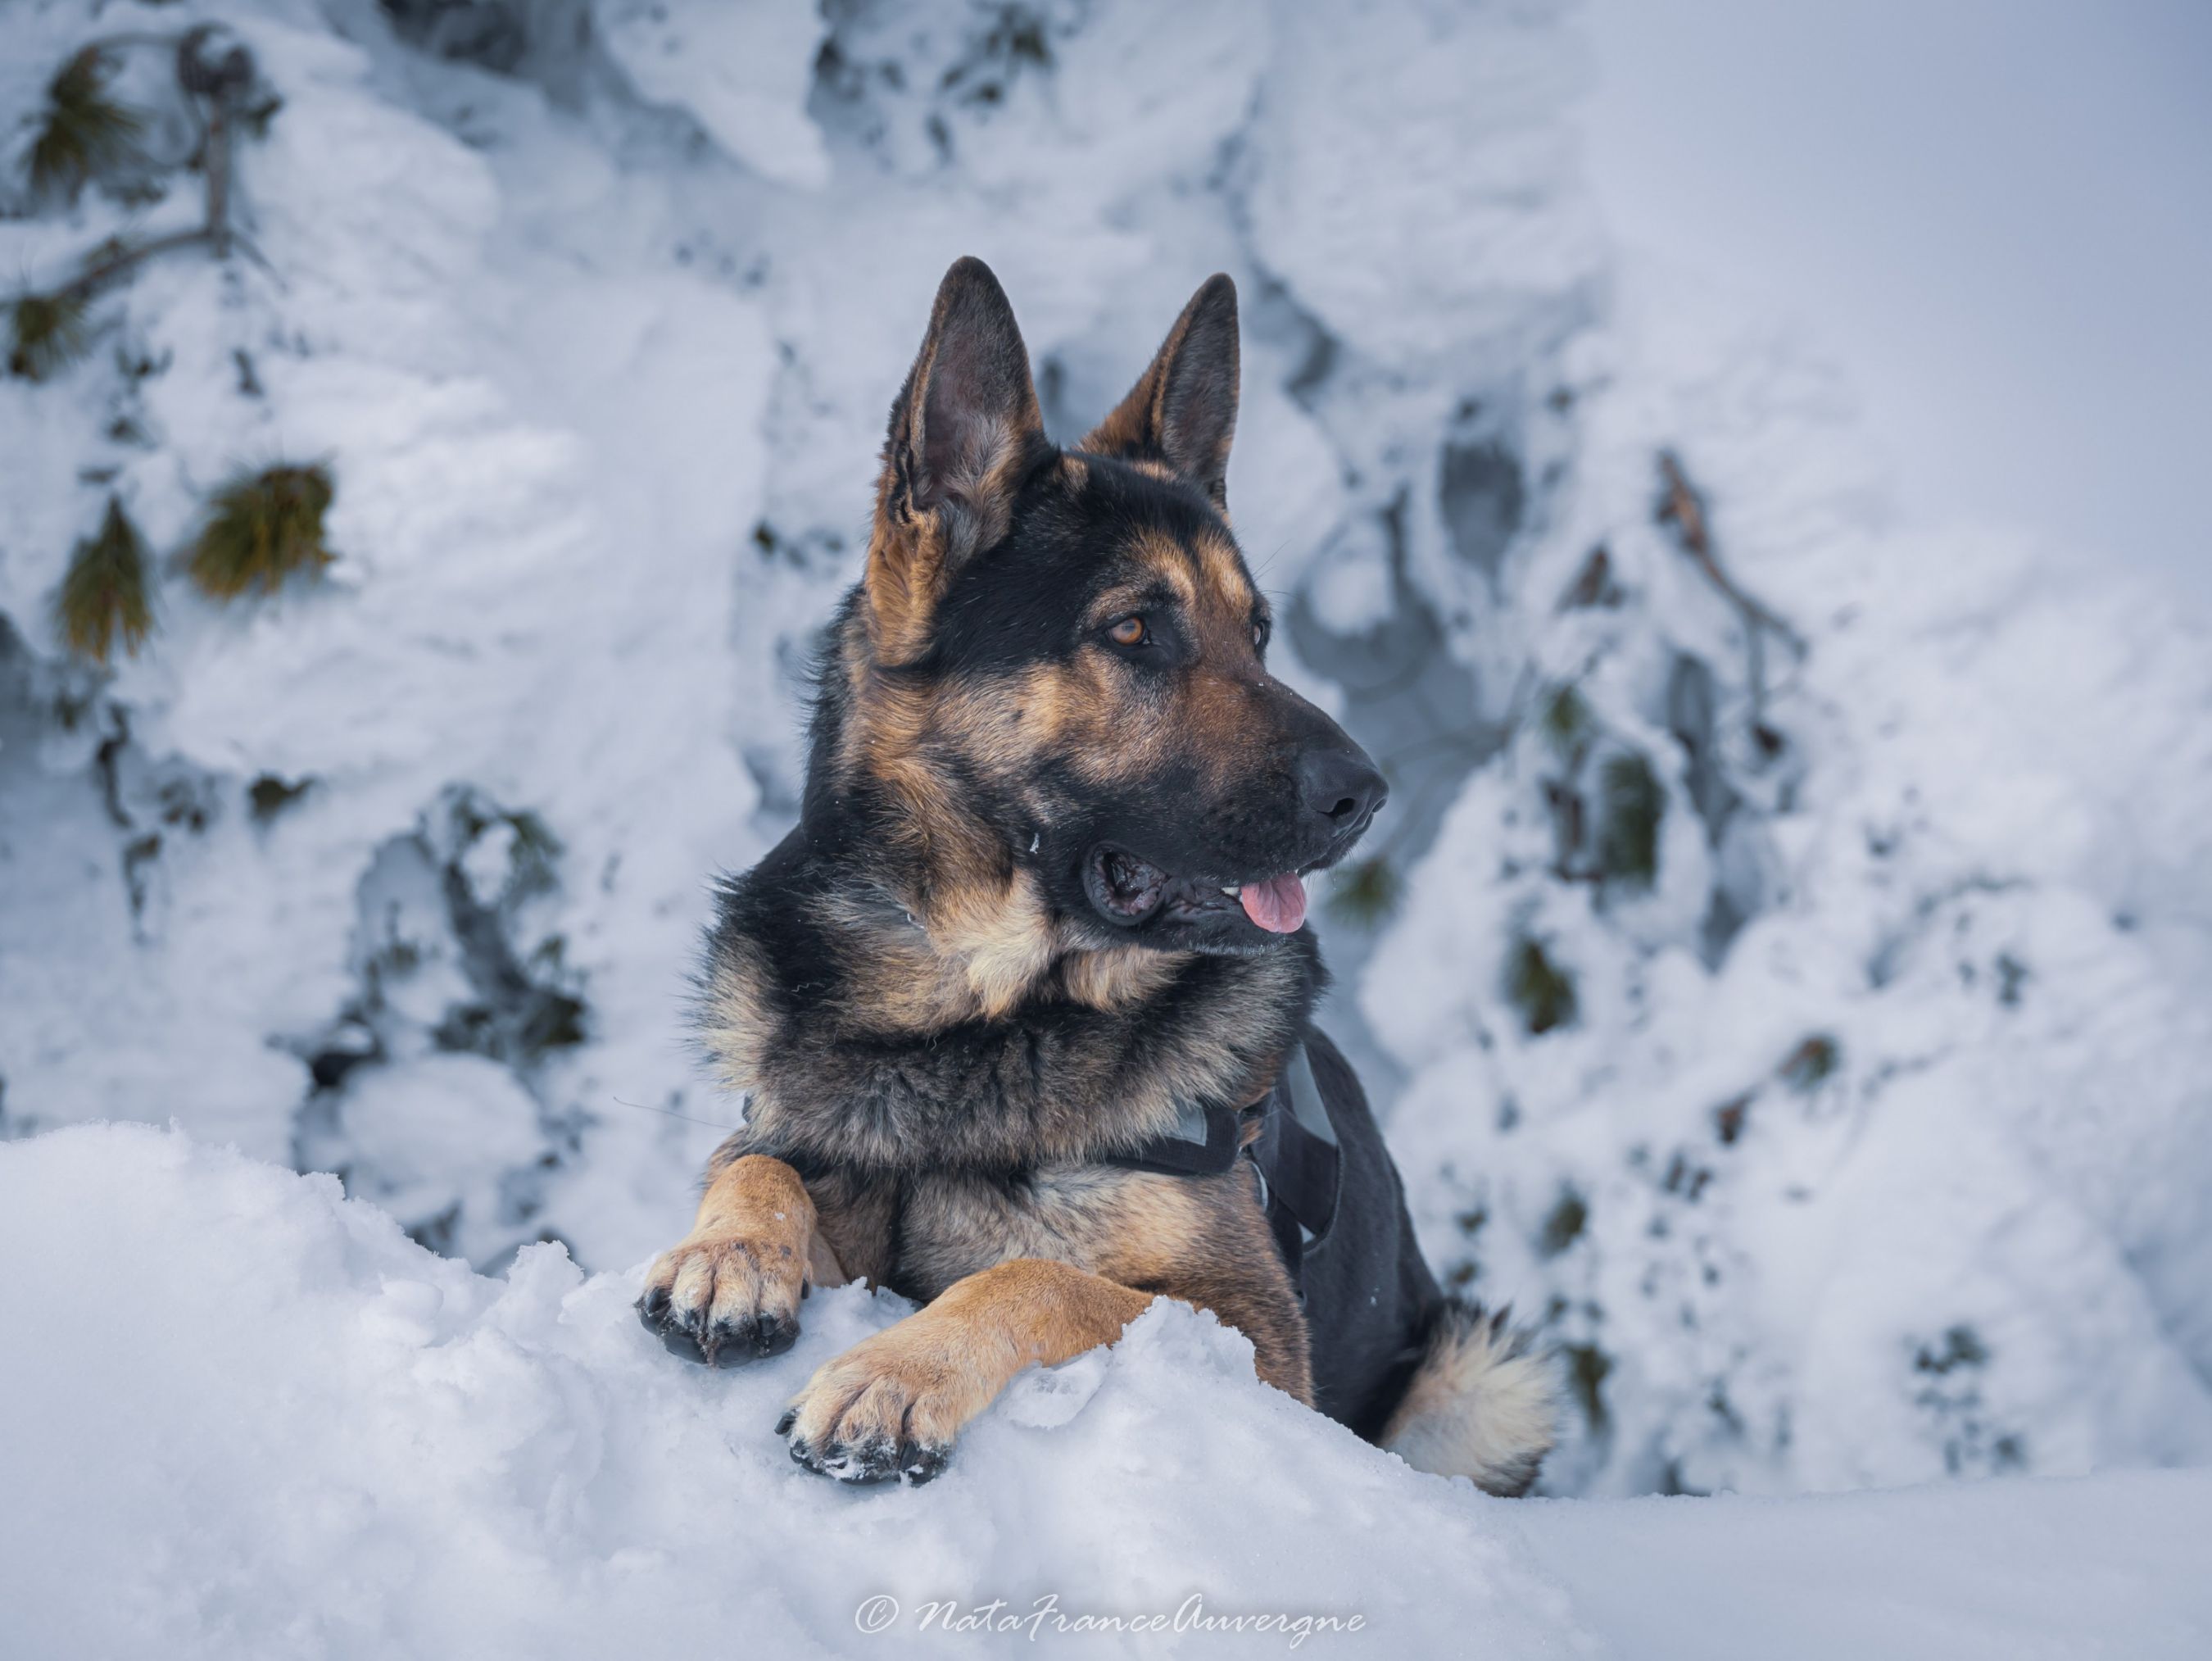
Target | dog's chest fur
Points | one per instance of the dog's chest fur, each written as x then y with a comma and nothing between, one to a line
934,1151
922,1230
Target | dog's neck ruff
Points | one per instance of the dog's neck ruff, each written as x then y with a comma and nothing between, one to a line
830,1011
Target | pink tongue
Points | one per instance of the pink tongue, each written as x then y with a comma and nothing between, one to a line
1278,905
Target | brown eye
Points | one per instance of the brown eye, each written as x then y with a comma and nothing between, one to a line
1129,631
1259,636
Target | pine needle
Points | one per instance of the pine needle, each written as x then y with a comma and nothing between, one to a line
1628,839
261,529
1564,1223
1566,719
86,133
104,595
47,332
1544,993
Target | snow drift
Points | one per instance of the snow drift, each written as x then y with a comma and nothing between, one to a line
245,1417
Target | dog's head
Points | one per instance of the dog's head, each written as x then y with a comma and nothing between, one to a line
1056,665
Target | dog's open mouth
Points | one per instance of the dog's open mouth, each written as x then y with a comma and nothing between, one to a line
1133,891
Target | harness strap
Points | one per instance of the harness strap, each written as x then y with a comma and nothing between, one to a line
1181,1154
1295,1153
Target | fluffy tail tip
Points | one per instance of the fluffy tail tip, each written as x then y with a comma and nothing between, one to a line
1483,1403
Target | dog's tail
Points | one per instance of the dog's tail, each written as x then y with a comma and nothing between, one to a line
1483,1403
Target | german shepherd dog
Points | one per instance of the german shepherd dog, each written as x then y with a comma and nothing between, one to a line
1020,1009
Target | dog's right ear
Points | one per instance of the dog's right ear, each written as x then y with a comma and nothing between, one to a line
965,433
1182,411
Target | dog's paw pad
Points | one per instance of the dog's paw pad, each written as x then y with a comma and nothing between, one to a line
723,1302
869,1460
861,1425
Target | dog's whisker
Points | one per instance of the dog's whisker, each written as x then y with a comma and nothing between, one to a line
648,1107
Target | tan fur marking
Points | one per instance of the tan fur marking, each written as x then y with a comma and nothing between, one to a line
921,1381
1169,560
979,911
1170,1232
1000,724
1003,939
1120,976
1225,576
751,1251
906,561
736,1025
1202,1241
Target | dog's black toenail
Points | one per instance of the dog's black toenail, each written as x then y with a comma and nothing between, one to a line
790,1418
679,1342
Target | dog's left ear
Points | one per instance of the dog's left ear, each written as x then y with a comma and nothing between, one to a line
1182,411
964,434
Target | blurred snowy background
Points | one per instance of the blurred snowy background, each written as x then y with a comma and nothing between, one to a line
1744,492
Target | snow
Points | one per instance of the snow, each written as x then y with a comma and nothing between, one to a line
248,1416
2055,381
1871,1154
316,1438
2008,771
2106,1565
743,70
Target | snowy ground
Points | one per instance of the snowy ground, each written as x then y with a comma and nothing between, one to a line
247,1417
1809,1024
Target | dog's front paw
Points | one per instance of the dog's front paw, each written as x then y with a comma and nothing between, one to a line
888,1408
724,1299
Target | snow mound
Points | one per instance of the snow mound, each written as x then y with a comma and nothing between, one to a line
246,1416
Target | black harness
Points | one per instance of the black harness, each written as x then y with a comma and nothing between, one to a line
1295,1154
1338,1213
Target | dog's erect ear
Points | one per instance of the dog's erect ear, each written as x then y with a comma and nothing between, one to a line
1183,410
965,432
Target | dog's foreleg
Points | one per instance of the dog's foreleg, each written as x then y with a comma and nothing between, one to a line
892,1404
729,1291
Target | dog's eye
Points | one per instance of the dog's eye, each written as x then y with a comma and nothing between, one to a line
1130,632
1260,632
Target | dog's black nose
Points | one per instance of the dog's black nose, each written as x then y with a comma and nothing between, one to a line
1342,785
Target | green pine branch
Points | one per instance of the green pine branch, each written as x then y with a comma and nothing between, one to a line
86,132
1542,990
46,333
261,529
104,596
1365,893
